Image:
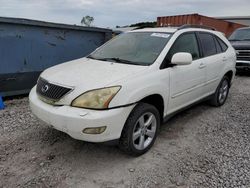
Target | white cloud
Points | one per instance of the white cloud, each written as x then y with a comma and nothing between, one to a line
118,12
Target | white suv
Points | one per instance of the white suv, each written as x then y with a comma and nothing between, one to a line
128,87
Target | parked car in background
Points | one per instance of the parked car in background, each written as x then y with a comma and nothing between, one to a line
128,87
240,40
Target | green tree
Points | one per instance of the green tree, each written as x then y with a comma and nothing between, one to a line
144,24
87,20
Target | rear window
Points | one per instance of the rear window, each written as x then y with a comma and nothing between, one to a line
223,45
208,44
218,46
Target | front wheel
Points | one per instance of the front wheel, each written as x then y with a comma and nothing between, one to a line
140,130
220,96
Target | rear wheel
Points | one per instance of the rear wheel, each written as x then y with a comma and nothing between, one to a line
220,96
140,130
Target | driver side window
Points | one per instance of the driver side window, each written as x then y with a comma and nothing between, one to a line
184,43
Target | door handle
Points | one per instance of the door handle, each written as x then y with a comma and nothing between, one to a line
202,65
224,59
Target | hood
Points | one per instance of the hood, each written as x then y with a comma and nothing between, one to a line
241,45
86,74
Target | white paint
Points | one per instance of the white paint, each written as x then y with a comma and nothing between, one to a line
182,58
179,86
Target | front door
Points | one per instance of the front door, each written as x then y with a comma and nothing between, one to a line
186,81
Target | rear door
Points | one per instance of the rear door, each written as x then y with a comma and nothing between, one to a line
214,59
186,81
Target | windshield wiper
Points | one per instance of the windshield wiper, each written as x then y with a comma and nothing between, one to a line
110,59
100,59
119,60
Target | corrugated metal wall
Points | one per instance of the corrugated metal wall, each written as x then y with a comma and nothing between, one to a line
196,19
28,47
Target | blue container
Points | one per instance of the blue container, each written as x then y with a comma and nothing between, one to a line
1,103
27,47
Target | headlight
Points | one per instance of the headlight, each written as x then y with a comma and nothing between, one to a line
96,99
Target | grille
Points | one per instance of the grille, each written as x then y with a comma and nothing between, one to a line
51,91
242,64
243,55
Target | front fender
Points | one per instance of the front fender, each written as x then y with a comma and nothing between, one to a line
136,89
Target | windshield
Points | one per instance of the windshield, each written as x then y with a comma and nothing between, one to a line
239,35
140,48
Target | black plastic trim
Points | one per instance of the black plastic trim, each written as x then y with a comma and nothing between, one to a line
167,117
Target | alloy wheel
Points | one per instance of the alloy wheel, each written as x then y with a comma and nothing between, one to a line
144,131
223,91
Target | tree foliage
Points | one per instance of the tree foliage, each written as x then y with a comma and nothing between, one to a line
144,24
87,20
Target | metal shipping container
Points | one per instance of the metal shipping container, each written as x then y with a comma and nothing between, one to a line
27,47
196,19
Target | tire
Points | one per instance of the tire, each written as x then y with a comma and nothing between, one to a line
139,133
220,96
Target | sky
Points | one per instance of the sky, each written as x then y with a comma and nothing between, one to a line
110,13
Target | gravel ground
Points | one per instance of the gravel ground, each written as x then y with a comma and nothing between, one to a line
200,147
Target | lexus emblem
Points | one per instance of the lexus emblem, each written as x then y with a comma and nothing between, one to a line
45,88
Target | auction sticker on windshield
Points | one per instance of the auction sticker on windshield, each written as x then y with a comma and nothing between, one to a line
162,35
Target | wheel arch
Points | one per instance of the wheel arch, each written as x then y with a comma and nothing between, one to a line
157,101
229,74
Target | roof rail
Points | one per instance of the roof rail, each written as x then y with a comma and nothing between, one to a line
186,26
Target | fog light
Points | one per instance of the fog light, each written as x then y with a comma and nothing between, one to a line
94,130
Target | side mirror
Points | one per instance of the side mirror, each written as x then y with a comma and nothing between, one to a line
182,58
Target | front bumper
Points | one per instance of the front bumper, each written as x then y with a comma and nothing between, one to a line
242,65
73,120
